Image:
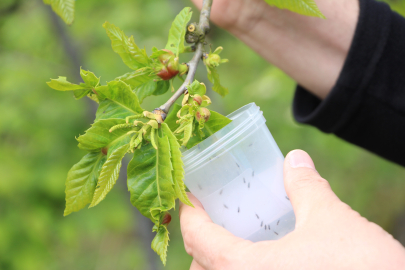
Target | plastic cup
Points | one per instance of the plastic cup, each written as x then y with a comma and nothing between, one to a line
237,174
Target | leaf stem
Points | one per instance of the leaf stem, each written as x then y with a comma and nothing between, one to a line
192,65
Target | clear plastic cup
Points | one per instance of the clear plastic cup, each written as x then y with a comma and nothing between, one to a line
237,174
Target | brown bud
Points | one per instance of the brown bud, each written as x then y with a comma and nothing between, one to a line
202,114
166,219
197,99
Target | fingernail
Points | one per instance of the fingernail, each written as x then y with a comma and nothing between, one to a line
299,159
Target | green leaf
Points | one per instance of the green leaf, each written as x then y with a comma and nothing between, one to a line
197,88
99,136
122,102
130,53
61,84
304,7
177,162
178,31
82,180
161,242
150,179
213,76
109,174
172,117
64,8
144,85
89,78
214,124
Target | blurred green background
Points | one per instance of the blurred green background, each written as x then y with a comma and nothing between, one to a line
38,128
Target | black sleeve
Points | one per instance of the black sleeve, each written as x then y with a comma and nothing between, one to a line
367,105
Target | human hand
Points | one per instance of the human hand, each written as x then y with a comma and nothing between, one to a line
328,233
310,50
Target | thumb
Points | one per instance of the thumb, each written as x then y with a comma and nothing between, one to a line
307,190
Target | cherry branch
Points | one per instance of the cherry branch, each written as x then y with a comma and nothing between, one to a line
192,65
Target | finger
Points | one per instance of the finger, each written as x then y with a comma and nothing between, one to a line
307,190
195,266
197,3
209,244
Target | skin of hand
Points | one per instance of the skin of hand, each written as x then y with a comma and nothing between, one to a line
328,233
310,50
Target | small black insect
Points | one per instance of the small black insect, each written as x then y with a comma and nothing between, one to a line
276,233
261,225
237,165
287,198
223,225
199,187
225,206
244,180
238,209
269,227
265,227
220,193
257,216
278,222
253,174
249,185
250,144
198,146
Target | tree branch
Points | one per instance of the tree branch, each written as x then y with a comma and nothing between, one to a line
205,26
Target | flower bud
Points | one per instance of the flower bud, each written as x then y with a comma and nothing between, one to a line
183,69
197,100
163,58
166,219
213,60
202,115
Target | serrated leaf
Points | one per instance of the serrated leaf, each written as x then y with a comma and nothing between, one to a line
197,88
150,179
144,85
160,243
177,31
89,78
98,135
213,76
131,54
82,180
214,124
61,84
304,7
121,103
64,8
109,174
177,163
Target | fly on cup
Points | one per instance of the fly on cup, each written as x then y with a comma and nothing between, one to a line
237,174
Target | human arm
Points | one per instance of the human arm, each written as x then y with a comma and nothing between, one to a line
328,233
349,66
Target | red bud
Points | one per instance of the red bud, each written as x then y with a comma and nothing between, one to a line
167,218
203,114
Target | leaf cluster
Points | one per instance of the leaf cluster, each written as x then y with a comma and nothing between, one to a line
122,127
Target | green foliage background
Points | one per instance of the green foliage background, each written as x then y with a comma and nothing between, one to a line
38,126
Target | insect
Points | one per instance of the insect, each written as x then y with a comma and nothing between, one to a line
269,227
223,225
220,193
278,222
225,206
261,225
253,174
238,209
287,198
257,216
276,233
237,165
198,146
265,227
244,180
249,185
250,144
199,186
